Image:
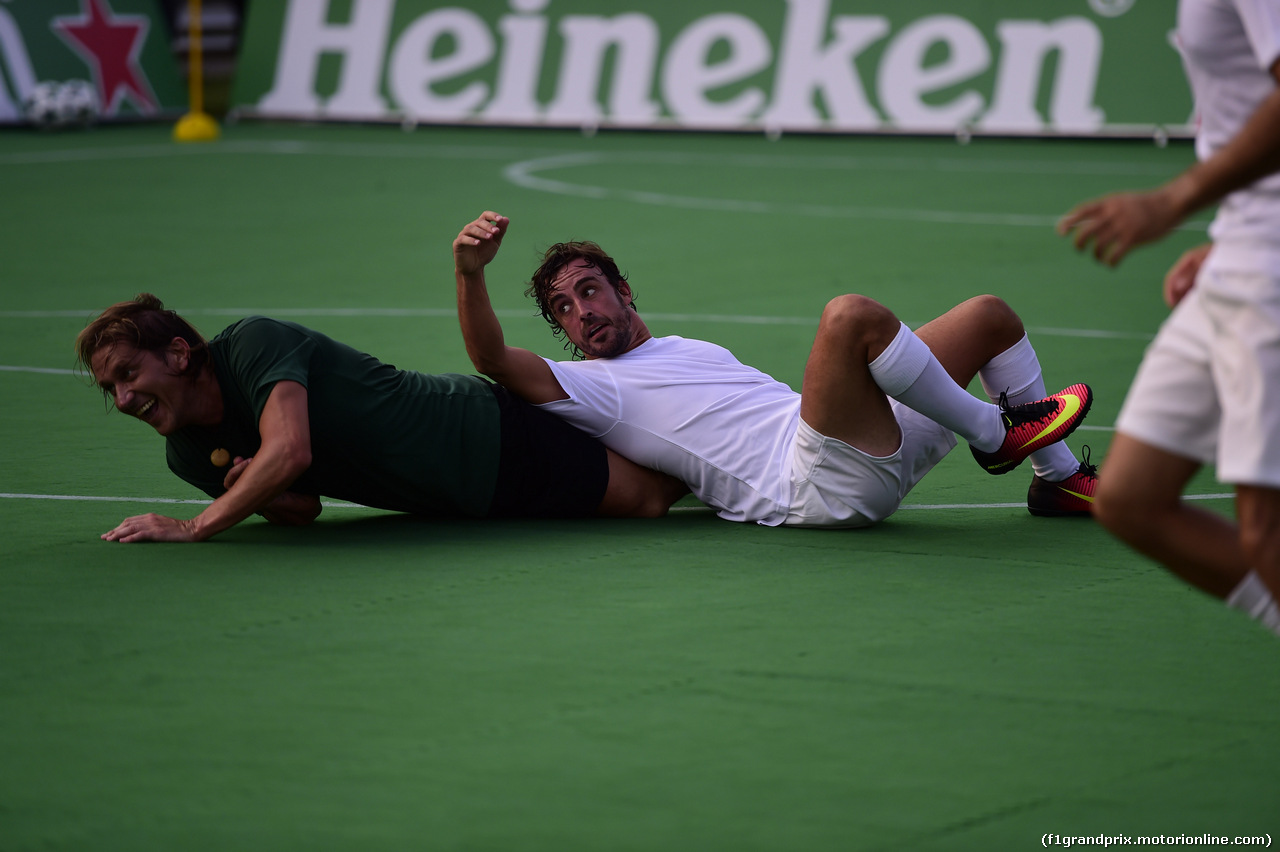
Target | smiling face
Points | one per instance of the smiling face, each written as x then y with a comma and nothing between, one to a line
149,385
593,313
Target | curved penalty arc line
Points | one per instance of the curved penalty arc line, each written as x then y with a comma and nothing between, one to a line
529,175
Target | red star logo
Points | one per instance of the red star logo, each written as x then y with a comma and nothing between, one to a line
110,45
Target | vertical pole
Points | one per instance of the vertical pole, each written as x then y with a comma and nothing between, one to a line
195,57
195,126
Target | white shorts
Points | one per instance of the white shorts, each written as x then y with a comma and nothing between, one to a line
1208,388
836,485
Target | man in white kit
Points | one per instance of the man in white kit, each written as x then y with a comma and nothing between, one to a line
841,453
1208,389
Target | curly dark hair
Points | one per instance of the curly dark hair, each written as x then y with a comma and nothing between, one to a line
555,259
145,324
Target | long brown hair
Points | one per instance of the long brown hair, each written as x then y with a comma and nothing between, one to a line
145,324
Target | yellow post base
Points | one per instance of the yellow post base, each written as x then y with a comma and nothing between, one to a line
195,127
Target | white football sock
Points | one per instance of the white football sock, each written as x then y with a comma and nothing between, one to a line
1253,598
908,371
1016,373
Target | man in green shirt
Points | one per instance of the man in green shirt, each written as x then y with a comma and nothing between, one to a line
269,416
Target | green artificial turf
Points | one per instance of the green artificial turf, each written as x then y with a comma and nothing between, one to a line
963,676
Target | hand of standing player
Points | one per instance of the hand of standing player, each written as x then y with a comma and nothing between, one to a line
1182,275
1118,223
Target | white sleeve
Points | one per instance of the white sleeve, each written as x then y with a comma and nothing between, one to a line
1261,20
594,404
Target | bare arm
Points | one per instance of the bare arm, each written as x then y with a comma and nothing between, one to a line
1118,223
521,371
284,455
290,509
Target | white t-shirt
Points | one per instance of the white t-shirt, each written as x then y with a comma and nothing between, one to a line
1228,47
690,409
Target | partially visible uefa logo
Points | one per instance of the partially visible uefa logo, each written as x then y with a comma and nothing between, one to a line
1111,8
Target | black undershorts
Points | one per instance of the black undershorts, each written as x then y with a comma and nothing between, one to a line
548,469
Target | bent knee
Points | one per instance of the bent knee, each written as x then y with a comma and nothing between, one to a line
1114,502
853,306
856,315
997,318
1261,545
1109,511
1131,515
1258,519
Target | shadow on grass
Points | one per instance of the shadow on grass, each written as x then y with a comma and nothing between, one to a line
400,531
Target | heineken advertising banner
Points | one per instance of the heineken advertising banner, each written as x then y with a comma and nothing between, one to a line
119,47
928,66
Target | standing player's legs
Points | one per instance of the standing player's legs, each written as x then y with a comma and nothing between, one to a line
1166,431
1139,501
1258,511
1185,409
1239,286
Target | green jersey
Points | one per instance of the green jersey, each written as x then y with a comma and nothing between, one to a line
382,437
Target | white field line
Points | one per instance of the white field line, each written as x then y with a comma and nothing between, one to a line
282,147
60,372
522,173
525,173
53,371
169,501
732,319
451,313
550,158
935,506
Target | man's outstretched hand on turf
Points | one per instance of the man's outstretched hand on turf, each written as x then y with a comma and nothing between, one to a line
152,527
